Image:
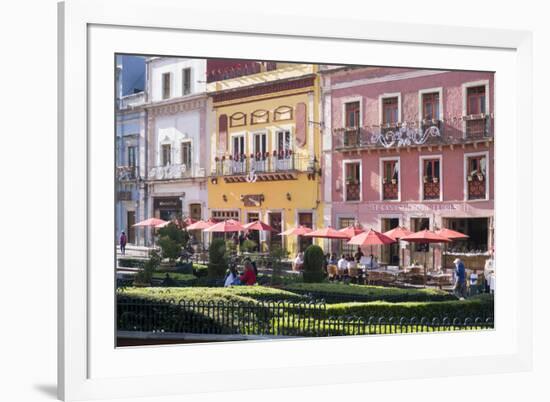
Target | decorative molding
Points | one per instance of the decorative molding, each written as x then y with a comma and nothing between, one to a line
267,88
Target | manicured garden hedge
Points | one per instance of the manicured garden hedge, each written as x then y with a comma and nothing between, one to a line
478,306
340,293
131,262
232,294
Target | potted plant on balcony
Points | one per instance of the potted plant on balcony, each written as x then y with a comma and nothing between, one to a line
351,180
480,176
393,181
470,177
426,178
435,179
384,180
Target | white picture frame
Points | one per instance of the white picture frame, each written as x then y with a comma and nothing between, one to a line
90,369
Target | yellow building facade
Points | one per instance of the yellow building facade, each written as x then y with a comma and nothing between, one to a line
265,152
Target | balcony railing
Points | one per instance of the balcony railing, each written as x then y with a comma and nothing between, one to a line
428,132
234,165
126,173
476,187
353,190
390,189
477,126
174,172
431,188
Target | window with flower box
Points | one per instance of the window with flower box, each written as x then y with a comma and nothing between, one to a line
260,158
353,181
476,177
431,180
390,179
283,159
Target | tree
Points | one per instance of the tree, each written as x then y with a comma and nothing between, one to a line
217,262
313,264
171,240
276,256
145,274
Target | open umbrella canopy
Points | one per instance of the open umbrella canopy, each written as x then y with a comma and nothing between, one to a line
398,233
451,234
351,231
151,222
371,238
161,225
327,233
297,231
200,225
426,236
260,226
229,225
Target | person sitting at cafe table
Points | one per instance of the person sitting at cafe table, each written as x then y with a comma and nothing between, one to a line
248,277
369,262
298,262
351,263
342,265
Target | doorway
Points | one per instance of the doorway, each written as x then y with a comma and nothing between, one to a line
131,231
390,253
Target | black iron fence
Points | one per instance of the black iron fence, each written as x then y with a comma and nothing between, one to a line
271,318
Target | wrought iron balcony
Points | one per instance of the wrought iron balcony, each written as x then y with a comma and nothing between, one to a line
463,130
478,126
127,173
262,166
174,172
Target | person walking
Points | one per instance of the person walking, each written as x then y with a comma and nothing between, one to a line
460,278
122,241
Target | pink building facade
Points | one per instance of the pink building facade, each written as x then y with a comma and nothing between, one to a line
413,148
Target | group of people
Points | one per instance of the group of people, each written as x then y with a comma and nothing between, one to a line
248,277
462,288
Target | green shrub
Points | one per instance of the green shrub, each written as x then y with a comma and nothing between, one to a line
171,240
313,264
145,275
340,292
200,270
131,262
170,248
248,246
276,256
482,307
245,294
217,261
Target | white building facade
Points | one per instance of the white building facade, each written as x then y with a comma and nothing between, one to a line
176,149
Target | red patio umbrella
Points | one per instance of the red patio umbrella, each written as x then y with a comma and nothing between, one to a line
327,233
450,234
351,231
426,236
259,226
200,225
151,222
371,238
227,226
297,231
397,234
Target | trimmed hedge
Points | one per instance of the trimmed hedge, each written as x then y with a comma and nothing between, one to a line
340,293
481,306
231,294
131,262
313,264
